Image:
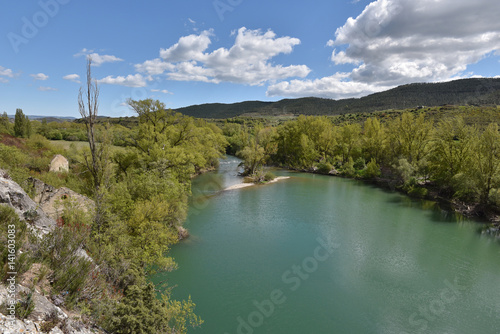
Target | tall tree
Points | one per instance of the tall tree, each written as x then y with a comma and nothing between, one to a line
19,124
4,123
373,140
487,162
451,150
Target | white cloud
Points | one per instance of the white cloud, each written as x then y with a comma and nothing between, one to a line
394,42
164,91
72,77
246,62
154,67
97,59
5,73
337,84
136,80
39,76
47,89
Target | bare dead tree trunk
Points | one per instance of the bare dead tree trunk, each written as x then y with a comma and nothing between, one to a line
88,103
89,111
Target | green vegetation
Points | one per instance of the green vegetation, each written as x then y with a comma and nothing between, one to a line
22,125
453,155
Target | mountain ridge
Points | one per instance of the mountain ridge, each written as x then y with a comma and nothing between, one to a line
473,91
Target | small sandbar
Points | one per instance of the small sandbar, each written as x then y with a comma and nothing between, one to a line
245,185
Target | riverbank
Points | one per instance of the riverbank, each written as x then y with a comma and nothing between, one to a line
246,185
474,211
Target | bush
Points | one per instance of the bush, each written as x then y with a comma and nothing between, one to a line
269,176
348,169
372,169
359,164
324,167
140,311
418,192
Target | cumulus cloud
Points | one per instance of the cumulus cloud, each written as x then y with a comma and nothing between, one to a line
72,77
136,80
337,84
47,89
164,91
39,76
246,62
394,42
97,59
5,73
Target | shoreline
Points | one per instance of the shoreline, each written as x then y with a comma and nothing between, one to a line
246,185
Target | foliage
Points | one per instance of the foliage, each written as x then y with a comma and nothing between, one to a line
459,155
141,312
372,169
22,125
5,126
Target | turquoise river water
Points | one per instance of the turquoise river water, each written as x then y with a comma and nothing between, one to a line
319,254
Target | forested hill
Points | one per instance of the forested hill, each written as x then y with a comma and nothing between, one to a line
459,92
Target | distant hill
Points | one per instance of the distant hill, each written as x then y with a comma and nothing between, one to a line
47,118
483,91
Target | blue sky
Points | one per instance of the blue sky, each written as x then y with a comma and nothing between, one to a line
194,52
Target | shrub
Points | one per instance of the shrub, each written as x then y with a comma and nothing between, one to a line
269,176
372,169
140,311
25,305
348,168
359,164
418,192
324,167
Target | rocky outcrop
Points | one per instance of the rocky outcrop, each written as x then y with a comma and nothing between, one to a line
13,195
59,164
50,199
45,311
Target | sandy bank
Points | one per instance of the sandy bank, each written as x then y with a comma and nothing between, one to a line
244,185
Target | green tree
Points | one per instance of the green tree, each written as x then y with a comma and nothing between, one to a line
20,124
348,143
409,139
4,123
173,143
487,162
28,128
253,157
451,150
373,140
141,312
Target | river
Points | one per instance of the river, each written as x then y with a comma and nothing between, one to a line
319,254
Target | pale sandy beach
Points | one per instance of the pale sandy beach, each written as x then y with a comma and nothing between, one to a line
244,185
